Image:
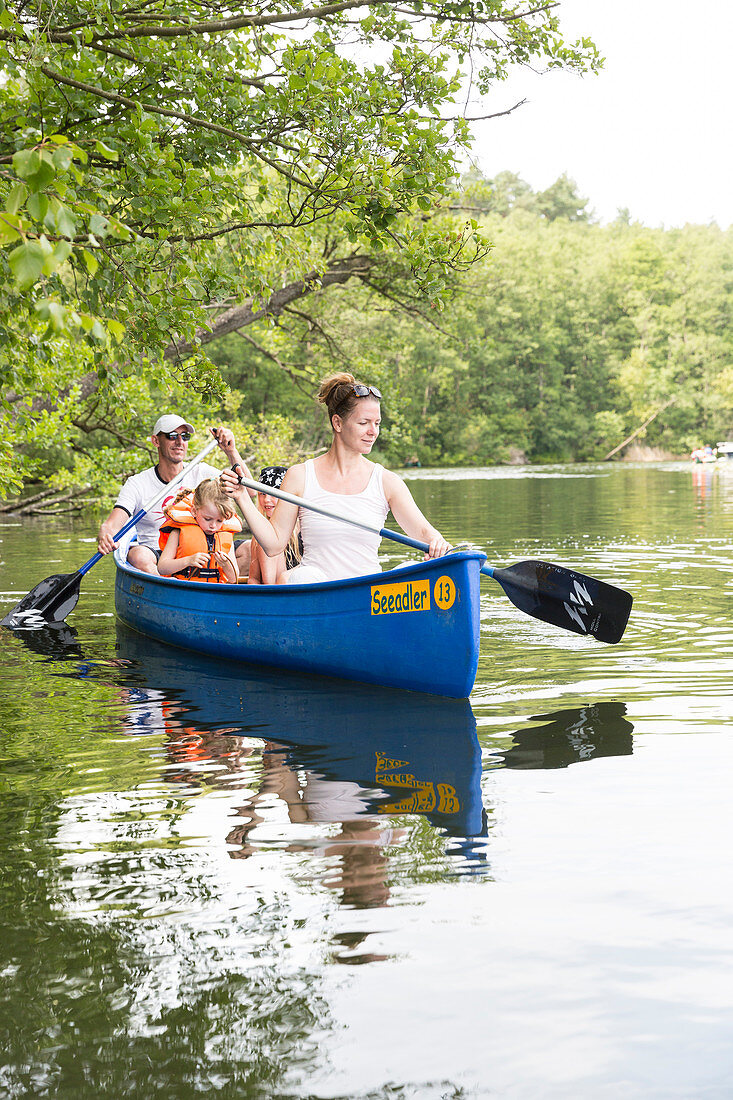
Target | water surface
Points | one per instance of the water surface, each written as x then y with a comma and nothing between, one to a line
245,883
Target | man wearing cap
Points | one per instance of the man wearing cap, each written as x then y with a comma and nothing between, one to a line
171,434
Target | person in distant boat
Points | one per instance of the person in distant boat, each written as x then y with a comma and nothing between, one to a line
346,481
197,536
171,434
262,569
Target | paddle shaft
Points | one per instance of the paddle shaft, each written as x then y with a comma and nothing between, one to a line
396,536
545,591
151,503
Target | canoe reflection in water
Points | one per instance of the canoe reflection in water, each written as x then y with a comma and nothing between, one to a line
335,753
570,737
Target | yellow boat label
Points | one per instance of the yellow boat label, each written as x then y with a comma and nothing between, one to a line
391,599
420,796
444,593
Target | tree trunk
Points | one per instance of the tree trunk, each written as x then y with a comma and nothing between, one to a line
640,429
340,271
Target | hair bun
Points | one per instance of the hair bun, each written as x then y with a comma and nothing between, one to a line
328,387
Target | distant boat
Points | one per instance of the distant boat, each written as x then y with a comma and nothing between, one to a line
705,454
725,450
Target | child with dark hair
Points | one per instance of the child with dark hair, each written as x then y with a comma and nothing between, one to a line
264,570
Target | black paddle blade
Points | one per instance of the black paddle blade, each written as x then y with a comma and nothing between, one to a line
567,599
52,600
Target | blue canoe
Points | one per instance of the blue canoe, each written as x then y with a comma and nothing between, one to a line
414,627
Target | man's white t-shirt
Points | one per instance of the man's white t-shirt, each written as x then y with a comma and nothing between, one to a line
143,487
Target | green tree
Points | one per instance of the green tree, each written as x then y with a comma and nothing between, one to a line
162,162
507,191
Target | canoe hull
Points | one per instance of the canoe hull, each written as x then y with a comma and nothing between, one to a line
415,627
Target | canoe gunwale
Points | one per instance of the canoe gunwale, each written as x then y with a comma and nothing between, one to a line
394,573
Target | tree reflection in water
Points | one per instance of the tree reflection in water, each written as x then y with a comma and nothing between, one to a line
184,971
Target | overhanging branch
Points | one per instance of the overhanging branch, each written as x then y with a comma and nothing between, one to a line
246,313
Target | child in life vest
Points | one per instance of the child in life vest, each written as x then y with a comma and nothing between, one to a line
264,570
197,537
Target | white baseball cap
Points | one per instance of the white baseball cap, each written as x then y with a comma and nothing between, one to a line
170,422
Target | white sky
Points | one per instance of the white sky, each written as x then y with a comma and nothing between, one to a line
653,132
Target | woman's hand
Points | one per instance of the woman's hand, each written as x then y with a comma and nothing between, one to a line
438,546
225,439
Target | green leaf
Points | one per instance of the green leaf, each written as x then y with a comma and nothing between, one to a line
62,158
16,198
26,263
119,229
59,255
56,316
92,264
26,162
98,225
37,206
117,330
37,168
64,219
10,227
105,151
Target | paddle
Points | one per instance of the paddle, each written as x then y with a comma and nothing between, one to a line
55,597
551,593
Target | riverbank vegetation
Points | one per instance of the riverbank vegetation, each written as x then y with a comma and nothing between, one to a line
567,339
208,212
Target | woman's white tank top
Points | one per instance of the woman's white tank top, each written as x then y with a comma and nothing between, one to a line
336,549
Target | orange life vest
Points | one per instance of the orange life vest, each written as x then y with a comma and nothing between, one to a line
192,540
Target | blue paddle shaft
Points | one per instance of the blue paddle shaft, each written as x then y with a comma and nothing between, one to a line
383,532
397,536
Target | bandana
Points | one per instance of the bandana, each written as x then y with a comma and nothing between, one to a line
273,476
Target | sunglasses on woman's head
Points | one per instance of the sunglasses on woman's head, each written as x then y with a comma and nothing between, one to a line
185,436
364,391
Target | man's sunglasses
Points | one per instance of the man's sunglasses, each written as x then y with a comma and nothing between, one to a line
185,436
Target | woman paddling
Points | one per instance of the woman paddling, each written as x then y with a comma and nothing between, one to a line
345,480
